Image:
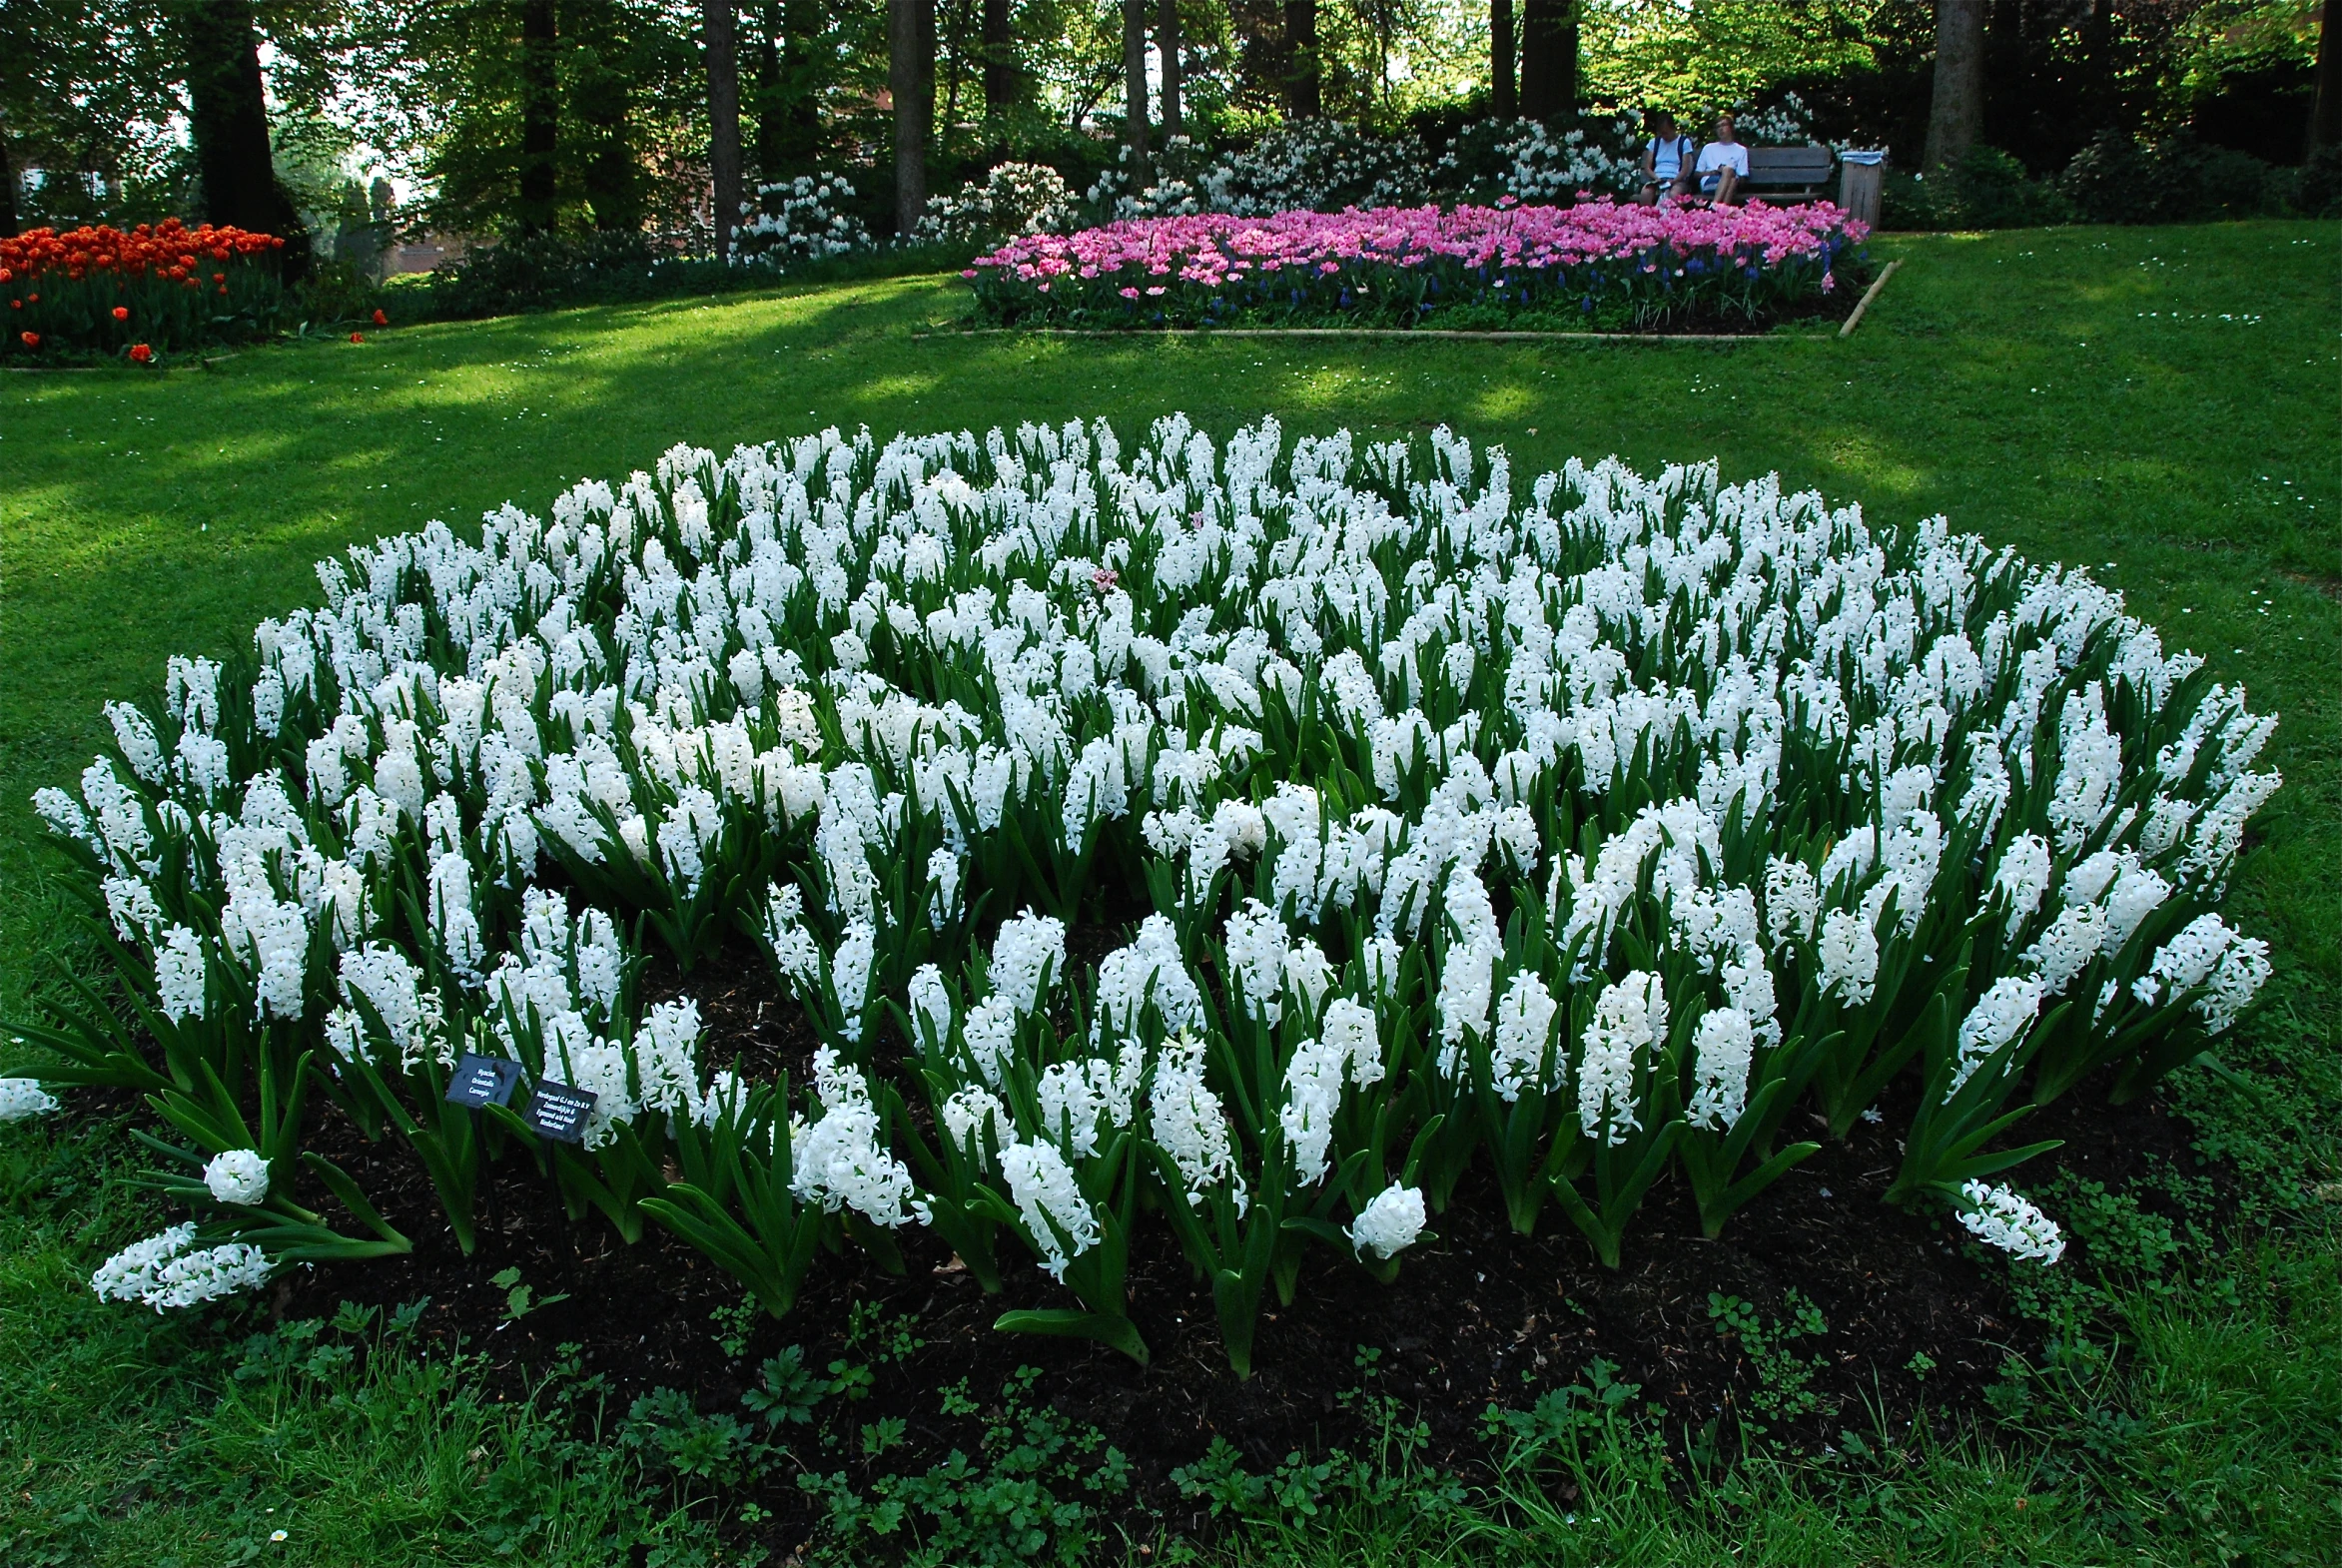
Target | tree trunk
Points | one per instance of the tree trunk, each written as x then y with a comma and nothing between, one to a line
1503,102
2325,114
1002,82
800,112
1958,103
770,110
1304,88
1166,43
911,79
723,118
7,186
1134,80
611,177
1549,59
958,63
228,116
597,91
540,117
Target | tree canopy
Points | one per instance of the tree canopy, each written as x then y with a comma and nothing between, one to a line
489,115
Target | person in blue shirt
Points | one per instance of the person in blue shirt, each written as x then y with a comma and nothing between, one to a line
1667,159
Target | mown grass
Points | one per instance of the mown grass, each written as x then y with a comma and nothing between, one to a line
2159,404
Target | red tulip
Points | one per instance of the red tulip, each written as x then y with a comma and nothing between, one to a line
141,354
31,339
381,320
122,313
357,337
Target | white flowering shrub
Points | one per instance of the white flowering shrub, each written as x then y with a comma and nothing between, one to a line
1780,124
1529,161
1325,166
1582,826
1305,165
799,220
1012,200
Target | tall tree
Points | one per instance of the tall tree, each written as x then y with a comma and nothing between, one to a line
599,81
788,89
721,28
771,108
228,117
1305,86
1004,82
1166,44
7,186
1955,109
1958,106
2325,112
911,80
1502,100
1135,79
1549,59
540,117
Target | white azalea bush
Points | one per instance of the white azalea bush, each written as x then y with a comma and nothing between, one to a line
1532,162
1309,166
1580,827
800,220
1012,200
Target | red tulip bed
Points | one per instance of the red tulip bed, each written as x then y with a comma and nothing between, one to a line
137,293
1595,264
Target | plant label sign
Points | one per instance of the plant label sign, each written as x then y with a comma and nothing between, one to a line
482,1080
558,1112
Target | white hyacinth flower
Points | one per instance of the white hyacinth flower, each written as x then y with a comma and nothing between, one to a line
1629,1018
2002,1218
1059,1218
1390,1223
162,1272
238,1177
21,1098
1029,949
2000,1015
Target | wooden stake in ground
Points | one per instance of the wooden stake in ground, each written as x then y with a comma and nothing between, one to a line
1856,319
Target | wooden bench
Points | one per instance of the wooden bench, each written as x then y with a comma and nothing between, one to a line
1789,174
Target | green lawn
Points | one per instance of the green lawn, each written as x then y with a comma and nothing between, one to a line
2159,404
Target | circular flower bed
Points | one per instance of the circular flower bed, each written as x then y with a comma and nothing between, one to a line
1202,842
1401,266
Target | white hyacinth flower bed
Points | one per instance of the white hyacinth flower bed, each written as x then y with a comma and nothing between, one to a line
1578,826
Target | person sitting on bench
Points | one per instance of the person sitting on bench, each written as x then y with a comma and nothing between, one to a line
1723,165
1667,160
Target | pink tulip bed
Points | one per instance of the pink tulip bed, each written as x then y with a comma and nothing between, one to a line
1594,264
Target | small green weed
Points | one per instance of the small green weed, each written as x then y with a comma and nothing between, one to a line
1783,1390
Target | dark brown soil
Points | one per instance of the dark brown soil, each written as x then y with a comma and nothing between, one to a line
1477,1316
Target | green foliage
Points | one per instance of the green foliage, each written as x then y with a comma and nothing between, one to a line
1987,190
787,1391
346,1435
2177,180
1697,58
1021,1498
672,1434
548,271
2317,193
1783,1388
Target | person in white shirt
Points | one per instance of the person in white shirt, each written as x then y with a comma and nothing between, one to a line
1723,165
1667,160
